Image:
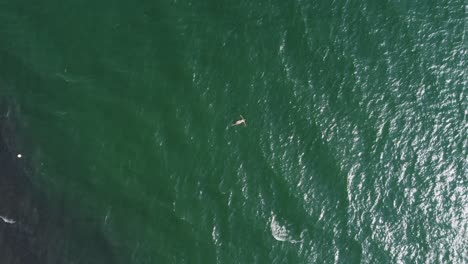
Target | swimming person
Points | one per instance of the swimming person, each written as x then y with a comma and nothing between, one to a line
240,122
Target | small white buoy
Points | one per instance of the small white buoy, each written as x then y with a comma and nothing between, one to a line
19,156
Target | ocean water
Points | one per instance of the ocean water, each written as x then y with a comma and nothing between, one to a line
355,149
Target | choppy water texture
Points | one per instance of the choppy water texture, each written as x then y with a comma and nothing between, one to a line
355,149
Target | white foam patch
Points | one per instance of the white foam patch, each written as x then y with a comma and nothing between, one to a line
215,235
7,220
280,232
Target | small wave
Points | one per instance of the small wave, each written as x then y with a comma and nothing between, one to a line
73,79
7,220
280,232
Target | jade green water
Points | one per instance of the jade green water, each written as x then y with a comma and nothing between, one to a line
355,149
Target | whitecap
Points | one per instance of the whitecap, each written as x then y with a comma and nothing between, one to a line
280,231
7,220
